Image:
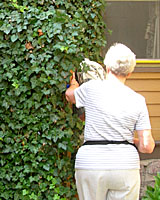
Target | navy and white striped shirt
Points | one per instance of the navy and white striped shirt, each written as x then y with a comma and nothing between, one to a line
113,111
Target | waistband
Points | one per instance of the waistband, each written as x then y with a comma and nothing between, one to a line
105,142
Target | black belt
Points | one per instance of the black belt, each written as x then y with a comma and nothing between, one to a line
105,142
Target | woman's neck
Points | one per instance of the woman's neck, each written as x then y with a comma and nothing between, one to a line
112,76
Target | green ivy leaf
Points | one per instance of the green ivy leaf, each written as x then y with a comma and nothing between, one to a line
46,167
14,38
25,192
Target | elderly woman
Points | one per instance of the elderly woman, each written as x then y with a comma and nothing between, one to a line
107,165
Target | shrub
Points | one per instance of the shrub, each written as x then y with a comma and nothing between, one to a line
153,193
40,42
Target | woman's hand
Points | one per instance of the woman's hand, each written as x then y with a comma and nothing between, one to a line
70,91
73,80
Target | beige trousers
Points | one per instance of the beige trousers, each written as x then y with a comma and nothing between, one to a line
108,184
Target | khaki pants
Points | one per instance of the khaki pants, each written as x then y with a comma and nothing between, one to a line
108,184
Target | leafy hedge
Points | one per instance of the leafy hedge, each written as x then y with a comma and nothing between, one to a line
40,42
153,193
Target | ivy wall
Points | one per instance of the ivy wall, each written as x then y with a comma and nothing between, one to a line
40,42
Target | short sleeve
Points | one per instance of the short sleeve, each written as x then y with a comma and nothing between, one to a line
80,95
143,121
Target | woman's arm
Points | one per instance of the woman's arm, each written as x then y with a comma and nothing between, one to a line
70,91
145,142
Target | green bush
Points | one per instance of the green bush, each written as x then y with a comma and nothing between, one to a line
153,193
40,42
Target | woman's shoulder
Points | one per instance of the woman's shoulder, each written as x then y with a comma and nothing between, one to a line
133,94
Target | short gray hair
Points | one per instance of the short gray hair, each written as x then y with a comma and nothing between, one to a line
120,60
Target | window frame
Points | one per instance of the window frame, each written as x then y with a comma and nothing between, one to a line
147,65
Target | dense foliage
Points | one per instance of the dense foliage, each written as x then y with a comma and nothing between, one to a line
153,193
40,42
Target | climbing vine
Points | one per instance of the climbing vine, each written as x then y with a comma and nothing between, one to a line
40,42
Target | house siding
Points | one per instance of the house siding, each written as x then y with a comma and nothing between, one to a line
148,85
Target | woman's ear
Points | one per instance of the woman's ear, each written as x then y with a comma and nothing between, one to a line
107,70
128,75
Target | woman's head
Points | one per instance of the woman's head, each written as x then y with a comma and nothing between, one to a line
120,60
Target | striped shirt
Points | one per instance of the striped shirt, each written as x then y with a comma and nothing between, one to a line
113,111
